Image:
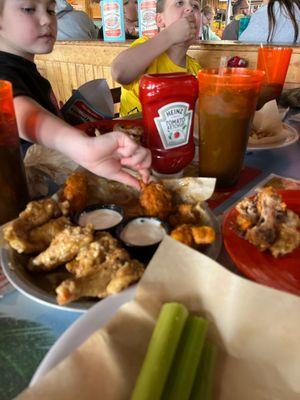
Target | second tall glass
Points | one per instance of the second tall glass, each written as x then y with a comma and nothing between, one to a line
275,62
227,102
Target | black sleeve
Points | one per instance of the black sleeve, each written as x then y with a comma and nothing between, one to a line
13,76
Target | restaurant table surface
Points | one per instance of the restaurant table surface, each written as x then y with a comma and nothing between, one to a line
28,329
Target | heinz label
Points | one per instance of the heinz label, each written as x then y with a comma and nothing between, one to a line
174,124
113,20
147,18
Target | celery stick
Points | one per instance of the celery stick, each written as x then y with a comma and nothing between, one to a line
181,378
202,389
160,352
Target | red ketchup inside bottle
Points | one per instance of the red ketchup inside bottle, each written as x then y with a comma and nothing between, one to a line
168,103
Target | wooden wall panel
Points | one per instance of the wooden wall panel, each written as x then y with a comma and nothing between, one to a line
73,63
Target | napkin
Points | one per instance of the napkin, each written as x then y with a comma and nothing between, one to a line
267,126
255,328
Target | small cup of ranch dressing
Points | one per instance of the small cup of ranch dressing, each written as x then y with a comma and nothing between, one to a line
104,217
142,235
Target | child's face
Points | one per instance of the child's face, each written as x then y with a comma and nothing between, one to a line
207,19
176,9
28,27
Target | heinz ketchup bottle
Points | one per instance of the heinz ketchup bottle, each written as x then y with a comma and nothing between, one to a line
168,102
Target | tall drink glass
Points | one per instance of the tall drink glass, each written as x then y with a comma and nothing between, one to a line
227,102
275,62
13,186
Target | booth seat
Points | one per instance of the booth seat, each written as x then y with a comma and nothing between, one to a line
73,63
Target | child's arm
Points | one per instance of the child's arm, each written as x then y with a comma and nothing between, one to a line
104,155
131,63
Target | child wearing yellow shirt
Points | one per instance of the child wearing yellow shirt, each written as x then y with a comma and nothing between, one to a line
179,24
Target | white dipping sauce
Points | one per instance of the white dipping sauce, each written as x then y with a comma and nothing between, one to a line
143,232
103,218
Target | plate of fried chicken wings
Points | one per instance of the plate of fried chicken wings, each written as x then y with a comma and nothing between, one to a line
52,260
61,264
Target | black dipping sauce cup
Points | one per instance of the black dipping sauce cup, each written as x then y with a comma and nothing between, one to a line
141,236
104,217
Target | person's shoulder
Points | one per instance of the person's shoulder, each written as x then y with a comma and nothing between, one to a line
262,11
12,62
231,30
78,15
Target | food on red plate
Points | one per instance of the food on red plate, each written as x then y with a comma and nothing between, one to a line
133,128
133,131
267,223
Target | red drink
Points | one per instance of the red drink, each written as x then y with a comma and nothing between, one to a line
13,186
274,61
168,102
227,101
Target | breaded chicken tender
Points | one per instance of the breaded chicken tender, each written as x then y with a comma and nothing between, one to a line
36,239
76,191
38,212
91,257
63,248
156,200
110,279
36,226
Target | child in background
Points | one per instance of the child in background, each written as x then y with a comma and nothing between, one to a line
179,24
208,14
28,27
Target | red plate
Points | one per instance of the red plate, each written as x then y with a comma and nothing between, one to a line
280,273
107,125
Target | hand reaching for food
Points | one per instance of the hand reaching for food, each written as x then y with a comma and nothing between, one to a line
108,154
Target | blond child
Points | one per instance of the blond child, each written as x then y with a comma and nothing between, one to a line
28,27
179,24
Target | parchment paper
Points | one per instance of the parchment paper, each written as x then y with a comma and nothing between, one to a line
255,328
268,122
44,166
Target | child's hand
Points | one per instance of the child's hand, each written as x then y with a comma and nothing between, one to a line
183,30
106,155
